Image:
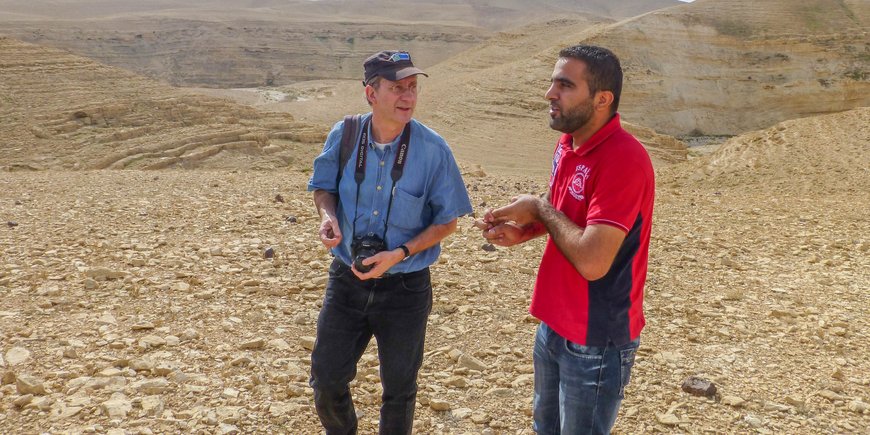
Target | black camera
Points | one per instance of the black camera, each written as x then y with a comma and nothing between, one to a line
363,247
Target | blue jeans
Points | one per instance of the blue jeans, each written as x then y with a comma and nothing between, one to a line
394,310
578,389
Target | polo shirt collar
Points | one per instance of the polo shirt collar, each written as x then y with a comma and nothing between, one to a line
598,138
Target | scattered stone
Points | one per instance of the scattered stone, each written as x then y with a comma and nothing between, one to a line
292,219
830,395
23,400
116,407
439,405
152,406
189,334
734,401
279,344
142,326
488,247
461,413
106,318
668,419
228,429
307,342
151,341
27,384
753,421
151,386
771,406
104,274
279,198
456,381
255,344
480,417
269,253
17,356
858,407
472,363
699,387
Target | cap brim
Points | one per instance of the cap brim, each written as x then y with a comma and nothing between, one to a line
403,73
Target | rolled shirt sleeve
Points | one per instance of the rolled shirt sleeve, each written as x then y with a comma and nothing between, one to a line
325,172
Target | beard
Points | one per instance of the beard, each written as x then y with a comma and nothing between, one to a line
572,119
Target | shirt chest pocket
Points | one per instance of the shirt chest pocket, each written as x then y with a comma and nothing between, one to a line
408,211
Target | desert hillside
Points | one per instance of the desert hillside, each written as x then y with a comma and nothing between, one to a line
266,43
721,68
724,67
64,111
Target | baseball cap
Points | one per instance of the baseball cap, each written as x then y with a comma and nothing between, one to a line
391,65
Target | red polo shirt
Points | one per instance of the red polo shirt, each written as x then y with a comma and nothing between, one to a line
607,180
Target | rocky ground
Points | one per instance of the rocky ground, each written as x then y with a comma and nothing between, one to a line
142,302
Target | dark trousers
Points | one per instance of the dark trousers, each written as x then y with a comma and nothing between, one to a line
395,310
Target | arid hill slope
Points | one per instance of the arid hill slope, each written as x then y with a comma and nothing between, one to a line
64,111
728,66
226,44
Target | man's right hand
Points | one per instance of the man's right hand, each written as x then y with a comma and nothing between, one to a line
330,233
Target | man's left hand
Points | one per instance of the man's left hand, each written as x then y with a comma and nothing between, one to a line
382,262
522,210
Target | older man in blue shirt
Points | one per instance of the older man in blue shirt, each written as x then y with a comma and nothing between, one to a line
383,217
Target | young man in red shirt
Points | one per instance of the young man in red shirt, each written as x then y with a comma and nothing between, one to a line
589,290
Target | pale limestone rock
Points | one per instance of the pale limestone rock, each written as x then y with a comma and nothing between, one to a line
279,344
116,407
254,344
523,380
143,364
461,413
480,417
151,341
668,419
733,401
107,319
23,400
472,363
439,405
151,386
307,342
152,406
142,326
858,406
228,429
104,274
456,381
26,384
17,356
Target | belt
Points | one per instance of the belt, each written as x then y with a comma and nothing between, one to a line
343,267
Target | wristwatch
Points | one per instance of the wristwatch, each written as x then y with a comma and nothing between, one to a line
406,251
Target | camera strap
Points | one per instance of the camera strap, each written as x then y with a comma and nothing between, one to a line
395,173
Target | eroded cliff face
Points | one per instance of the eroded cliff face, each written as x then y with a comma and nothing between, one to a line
64,111
724,67
185,52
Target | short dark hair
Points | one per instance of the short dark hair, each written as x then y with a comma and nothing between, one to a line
604,73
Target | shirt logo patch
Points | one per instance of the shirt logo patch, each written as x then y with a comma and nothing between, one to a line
581,173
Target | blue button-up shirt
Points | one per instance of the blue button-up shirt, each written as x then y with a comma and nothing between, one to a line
431,191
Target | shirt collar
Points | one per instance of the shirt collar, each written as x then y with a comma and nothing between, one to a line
612,126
